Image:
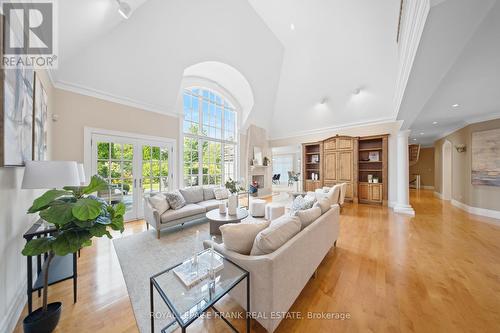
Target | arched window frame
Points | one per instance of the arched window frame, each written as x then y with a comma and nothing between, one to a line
189,84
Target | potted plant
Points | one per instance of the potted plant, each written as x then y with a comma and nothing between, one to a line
78,216
232,201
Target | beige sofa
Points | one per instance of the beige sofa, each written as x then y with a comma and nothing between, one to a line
276,279
198,202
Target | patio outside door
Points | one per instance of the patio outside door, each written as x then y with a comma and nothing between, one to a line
132,167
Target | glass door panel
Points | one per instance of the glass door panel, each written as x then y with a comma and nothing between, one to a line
114,162
132,167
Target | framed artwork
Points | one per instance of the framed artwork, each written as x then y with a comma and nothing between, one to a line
40,135
16,132
486,158
373,156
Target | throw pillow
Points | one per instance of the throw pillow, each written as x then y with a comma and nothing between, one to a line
278,233
192,195
308,216
333,194
239,237
175,199
301,203
208,193
159,202
221,193
323,204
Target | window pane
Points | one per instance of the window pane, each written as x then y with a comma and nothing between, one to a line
146,152
155,153
103,169
128,152
116,171
146,169
116,151
103,150
127,169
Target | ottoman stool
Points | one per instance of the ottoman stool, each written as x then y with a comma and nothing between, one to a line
274,210
257,208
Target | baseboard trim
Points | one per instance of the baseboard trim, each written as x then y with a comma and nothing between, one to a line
439,195
495,214
428,187
404,209
10,321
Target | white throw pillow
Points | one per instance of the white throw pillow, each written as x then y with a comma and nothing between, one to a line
175,199
192,194
239,237
323,204
159,202
278,233
308,216
221,193
208,193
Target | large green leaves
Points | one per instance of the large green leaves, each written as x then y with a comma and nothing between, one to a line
99,230
46,199
70,241
58,213
38,246
96,184
86,209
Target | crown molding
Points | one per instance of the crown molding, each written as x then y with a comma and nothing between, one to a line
479,119
327,130
99,94
415,14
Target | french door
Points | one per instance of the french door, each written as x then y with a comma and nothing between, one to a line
132,167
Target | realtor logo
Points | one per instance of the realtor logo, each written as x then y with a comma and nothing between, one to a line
29,36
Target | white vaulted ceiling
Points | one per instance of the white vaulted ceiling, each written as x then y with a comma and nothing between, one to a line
337,47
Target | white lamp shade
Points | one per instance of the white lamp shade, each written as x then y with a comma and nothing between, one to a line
81,173
50,174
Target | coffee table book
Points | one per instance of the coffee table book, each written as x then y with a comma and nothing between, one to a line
190,274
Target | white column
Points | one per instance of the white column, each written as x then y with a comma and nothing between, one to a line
403,203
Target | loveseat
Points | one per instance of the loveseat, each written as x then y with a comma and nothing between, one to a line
277,278
198,201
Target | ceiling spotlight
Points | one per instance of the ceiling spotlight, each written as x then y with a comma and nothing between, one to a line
356,91
124,9
422,133
292,27
455,106
434,123
324,100
414,139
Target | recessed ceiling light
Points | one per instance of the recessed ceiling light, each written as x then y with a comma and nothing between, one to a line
292,27
455,106
434,123
124,9
422,133
356,91
324,100
414,139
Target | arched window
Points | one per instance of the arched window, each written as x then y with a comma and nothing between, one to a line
210,138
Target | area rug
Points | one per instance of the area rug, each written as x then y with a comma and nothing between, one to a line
143,255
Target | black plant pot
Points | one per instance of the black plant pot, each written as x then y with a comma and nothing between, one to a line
43,322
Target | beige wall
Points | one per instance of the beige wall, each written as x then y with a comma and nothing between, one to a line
424,167
14,202
75,112
487,197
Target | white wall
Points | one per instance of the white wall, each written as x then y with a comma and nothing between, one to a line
14,222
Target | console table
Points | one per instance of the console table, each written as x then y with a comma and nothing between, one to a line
61,268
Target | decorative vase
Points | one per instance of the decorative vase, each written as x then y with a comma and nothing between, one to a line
232,204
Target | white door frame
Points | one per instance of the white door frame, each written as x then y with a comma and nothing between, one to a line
89,132
446,170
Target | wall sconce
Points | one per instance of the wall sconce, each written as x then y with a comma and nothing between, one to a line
461,148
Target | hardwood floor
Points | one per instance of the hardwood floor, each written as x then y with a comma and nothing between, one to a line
436,272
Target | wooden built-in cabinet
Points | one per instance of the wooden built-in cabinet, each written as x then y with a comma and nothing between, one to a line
338,164
345,159
373,179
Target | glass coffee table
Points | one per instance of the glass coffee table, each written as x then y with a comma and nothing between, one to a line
187,304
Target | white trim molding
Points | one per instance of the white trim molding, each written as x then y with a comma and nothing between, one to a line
8,323
495,214
415,14
438,195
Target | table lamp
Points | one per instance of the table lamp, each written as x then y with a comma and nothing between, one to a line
50,174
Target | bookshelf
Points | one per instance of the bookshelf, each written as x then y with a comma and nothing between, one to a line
372,169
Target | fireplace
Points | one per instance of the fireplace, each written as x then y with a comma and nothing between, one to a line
258,181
